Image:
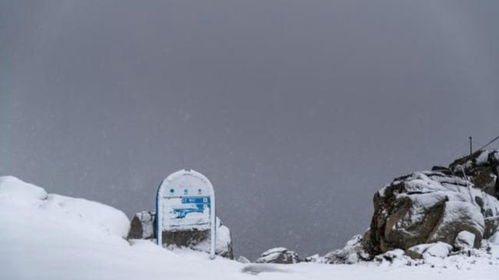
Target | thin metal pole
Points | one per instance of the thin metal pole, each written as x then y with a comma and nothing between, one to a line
213,229
471,145
159,216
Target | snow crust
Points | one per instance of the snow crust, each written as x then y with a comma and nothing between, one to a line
46,236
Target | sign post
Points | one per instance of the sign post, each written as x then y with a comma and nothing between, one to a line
186,201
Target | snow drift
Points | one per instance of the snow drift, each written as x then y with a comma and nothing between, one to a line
48,236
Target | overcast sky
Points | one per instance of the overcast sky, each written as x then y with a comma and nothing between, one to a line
298,111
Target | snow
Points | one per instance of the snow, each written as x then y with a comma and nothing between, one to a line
223,240
465,240
483,158
46,236
437,250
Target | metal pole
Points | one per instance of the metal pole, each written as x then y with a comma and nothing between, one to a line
159,218
471,145
213,221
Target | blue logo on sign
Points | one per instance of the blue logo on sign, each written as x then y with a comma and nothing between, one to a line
198,205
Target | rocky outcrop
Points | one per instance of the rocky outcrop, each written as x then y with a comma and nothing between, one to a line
481,168
143,227
279,255
425,213
426,207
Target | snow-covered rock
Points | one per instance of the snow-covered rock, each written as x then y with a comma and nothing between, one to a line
353,252
396,256
481,168
416,252
223,244
437,250
464,240
279,255
243,259
143,227
426,207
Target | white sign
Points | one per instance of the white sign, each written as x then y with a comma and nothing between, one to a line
186,201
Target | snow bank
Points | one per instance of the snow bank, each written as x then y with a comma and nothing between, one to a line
16,193
46,236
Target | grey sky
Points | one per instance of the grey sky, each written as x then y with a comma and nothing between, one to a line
296,110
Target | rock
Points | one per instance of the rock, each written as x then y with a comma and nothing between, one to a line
224,241
314,259
454,206
429,250
437,250
416,252
243,259
426,207
464,240
279,255
481,168
143,227
393,256
353,252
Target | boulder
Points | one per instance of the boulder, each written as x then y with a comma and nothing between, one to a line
353,252
416,252
223,245
426,207
393,257
430,213
316,258
279,255
437,250
464,240
143,227
243,259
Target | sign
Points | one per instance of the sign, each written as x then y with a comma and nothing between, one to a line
186,201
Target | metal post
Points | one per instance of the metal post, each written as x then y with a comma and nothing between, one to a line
471,145
159,218
213,229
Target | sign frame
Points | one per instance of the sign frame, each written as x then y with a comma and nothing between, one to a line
167,183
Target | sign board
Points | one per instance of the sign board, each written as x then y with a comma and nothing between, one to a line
186,201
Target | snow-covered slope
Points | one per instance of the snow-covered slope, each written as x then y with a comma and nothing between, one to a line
46,236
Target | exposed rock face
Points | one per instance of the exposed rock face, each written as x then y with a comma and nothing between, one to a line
426,207
279,255
429,214
143,227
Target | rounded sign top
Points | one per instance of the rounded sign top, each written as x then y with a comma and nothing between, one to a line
185,183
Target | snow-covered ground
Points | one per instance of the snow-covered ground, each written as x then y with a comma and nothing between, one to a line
46,236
